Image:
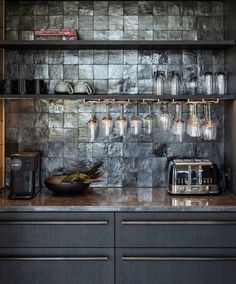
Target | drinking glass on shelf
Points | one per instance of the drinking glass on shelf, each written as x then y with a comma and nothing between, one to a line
148,122
208,82
107,123
121,123
136,123
178,126
159,83
208,129
193,125
192,84
93,127
165,118
221,83
175,83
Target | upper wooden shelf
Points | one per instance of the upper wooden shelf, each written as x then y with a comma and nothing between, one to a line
116,44
120,97
113,0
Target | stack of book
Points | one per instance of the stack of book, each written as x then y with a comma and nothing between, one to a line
57,34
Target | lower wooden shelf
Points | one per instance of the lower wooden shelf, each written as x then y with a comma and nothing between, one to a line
120,97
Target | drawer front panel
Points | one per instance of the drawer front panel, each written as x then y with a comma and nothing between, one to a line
140,266
84,268
57,230
174,230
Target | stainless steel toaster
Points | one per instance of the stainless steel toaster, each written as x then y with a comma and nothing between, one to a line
193,176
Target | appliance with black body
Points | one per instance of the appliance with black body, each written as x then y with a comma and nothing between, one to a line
25,175
193,176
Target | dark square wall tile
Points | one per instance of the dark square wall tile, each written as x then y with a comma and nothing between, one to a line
145,7
26,23
55,8
70,8
160,8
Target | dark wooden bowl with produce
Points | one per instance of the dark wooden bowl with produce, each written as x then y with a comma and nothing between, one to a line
75,182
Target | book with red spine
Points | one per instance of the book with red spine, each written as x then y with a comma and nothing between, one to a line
56,32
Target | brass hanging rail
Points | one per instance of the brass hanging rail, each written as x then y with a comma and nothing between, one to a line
148,101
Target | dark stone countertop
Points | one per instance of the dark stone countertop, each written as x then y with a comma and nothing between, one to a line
121,199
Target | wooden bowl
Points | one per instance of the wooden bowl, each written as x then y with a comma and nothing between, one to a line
54,184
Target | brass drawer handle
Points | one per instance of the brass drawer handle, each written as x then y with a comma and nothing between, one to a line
53,222
79,258
178,258
124,222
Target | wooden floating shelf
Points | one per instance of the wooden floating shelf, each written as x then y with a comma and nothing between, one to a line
116,44
120,97
124,0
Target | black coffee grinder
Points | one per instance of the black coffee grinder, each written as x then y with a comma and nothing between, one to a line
25,175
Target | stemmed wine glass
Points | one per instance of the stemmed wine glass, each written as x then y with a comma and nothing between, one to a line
136,123
165,118
107,123
148,122
93,127
208,129
193,125
121,123
178,127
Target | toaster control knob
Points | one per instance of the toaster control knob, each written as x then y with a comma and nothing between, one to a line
207,188
182,188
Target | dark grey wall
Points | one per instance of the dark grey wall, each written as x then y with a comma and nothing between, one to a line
58,128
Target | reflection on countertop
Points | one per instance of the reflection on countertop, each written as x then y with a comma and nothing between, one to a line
120,199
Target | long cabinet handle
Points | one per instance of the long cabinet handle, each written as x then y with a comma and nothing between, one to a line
79,258
53,222
179,258
127,222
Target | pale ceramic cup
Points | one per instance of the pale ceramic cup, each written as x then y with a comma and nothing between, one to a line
83,88
63,87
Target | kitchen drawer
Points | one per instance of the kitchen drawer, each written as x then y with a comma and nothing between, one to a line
176,230
83,266
56,230
142,266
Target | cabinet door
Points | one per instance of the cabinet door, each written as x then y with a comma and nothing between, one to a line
86,267
176,230
142,266
56,230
